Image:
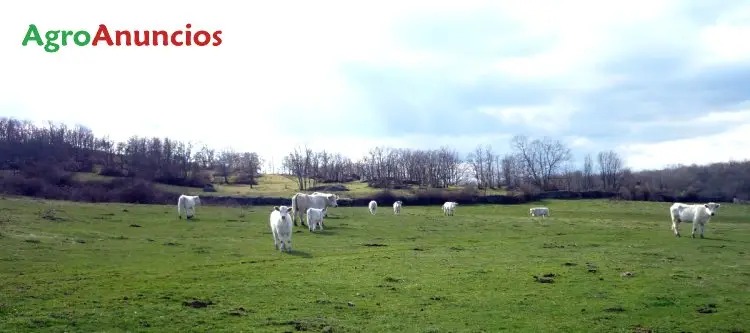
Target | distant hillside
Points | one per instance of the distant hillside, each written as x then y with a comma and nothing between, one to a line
275,185
62,162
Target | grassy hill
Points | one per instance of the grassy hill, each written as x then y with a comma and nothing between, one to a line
276,185
137,268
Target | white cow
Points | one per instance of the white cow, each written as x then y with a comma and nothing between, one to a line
449,207
301,202
187,202
539,211
325,195
397,207
315,218
372,206
698,214
281,228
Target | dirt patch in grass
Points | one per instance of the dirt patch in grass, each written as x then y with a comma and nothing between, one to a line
197,304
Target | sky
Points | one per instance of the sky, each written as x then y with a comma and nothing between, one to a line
661,82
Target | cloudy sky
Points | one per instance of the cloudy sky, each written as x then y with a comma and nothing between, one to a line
646,78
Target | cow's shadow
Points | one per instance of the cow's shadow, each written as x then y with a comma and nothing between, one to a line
719,239
326,232
302,254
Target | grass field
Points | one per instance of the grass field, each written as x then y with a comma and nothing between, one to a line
271,185
88,268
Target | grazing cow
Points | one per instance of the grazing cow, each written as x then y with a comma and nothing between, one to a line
315,218
397,207
539,211
373,206
281,228
449,207
698,214
301,202
187,202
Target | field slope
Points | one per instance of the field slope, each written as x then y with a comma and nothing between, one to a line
129,268
277,185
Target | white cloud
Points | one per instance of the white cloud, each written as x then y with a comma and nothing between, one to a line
721,42
728,144
722,147
579,142
583,35
583,31
715,119
549,118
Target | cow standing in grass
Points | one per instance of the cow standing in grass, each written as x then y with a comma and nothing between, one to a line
372,207
187,202
397,207
281,228
449,208
315,218
327,195
539,211
698,214
301,202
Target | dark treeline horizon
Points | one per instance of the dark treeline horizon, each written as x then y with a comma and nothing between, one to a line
532,165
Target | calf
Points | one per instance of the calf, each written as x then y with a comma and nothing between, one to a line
373,206
281,228
188,203
698,214
315,218
397,207
539,211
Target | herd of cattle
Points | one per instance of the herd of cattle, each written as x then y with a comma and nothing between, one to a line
315,207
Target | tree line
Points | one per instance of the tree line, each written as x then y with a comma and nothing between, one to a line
382,167
531,165
25,146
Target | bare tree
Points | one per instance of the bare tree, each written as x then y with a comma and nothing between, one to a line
541,158
510,174
476,159
489,168
588,172
610,168
308,166
248,168
227,164
295,162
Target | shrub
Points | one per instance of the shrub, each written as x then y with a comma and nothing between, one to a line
111,172
198,180
61,186
245,180
625,194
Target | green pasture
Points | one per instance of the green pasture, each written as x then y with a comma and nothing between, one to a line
610,267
